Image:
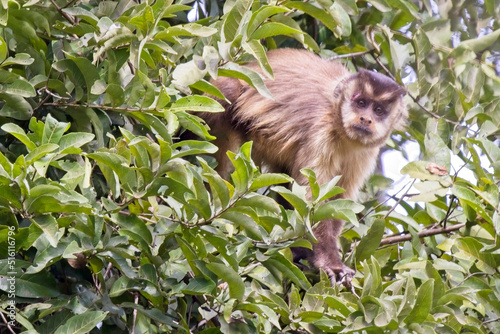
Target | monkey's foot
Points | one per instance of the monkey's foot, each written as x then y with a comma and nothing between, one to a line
344,276
341,275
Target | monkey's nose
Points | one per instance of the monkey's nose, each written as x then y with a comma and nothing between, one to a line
365,121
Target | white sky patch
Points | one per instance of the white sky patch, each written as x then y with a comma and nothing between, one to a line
393,161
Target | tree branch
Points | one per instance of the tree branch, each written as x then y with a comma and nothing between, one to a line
98,106
65,15
395,239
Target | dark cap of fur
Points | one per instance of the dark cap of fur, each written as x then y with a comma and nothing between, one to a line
381,84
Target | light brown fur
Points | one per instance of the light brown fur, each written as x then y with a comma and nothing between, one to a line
313,122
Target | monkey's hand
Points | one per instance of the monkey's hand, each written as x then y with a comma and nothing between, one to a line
338,272
343,276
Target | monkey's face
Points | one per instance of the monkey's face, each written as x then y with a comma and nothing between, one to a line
372,107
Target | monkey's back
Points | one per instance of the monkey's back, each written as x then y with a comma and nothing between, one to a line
303,110
300,128
303,84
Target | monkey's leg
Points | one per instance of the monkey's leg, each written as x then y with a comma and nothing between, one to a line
227,140
326,253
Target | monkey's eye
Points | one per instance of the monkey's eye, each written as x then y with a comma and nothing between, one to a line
379,110
361,103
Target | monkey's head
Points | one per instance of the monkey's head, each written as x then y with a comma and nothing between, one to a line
371,107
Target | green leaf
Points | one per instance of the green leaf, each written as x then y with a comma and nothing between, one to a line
270,29
405,6
15,107
469,197
262,310
474,248
48,224
155,314
418,170
313,184
234,281
123,284
43,199
381,5
268,179
136,225
208,88
251,77
10,193
23,59
116,38
282,268
372,285
371,241
245,222
154,123
53,130
19,133
295,200
193,124
83,14
40,152
83,72
330,190
3,50
188,73
256,201
74,140
344,26
218,186
261,15
189,29
196,103
199,286
82,323
119,165
20,88
339,209
257,50
318,13
478,44
429,191
192,147
243,167
39,285
423,303
232,21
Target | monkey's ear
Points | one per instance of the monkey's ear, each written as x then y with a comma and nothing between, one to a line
401,91
342,84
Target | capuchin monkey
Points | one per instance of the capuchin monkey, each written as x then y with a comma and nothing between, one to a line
323,117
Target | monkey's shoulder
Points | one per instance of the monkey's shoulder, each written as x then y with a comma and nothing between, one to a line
304,65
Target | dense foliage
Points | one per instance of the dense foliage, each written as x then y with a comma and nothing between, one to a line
110,222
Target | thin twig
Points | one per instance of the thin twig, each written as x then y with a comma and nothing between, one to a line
350,55
7,323
386,200
449,212
400,199
134,314
395,239
66,16
86,105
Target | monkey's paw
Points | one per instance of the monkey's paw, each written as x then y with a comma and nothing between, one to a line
341,275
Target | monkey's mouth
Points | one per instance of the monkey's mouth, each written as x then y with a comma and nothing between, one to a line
362,130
